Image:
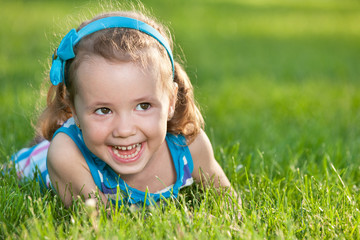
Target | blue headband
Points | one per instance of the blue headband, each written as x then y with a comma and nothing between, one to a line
65,51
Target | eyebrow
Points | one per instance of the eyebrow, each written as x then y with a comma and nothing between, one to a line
145,99
136,100
98,104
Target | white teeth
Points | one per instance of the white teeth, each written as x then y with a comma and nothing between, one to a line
137,150
128,147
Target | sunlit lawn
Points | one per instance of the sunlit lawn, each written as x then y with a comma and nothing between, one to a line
278,83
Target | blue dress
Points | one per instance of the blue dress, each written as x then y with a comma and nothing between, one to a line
29,160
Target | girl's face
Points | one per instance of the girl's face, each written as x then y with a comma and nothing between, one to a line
122,111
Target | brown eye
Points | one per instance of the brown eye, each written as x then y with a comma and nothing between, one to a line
103,111
143,106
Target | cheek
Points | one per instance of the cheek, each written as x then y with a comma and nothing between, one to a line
155,124
93,134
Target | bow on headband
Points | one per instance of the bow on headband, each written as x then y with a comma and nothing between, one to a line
65,51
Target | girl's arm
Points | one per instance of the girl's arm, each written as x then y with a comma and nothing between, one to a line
206,168
69,172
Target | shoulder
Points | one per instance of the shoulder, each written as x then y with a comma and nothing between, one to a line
63,150
201,147
68,170
205,165
201,153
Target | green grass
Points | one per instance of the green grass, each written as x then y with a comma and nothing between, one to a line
278,83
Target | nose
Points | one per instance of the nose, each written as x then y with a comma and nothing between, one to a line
124,126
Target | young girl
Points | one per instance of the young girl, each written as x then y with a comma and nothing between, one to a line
120,117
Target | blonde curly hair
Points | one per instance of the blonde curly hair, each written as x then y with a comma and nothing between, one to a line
121,44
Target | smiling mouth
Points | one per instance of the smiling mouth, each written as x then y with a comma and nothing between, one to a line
127,152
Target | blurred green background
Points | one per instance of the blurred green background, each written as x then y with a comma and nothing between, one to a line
276,77
277,82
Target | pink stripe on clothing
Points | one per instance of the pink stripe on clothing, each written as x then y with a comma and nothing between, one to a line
40,149
34,153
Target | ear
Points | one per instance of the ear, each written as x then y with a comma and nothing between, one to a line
172,103
173,98
73,111
76,119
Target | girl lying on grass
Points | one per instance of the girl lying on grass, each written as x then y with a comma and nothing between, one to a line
120,117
